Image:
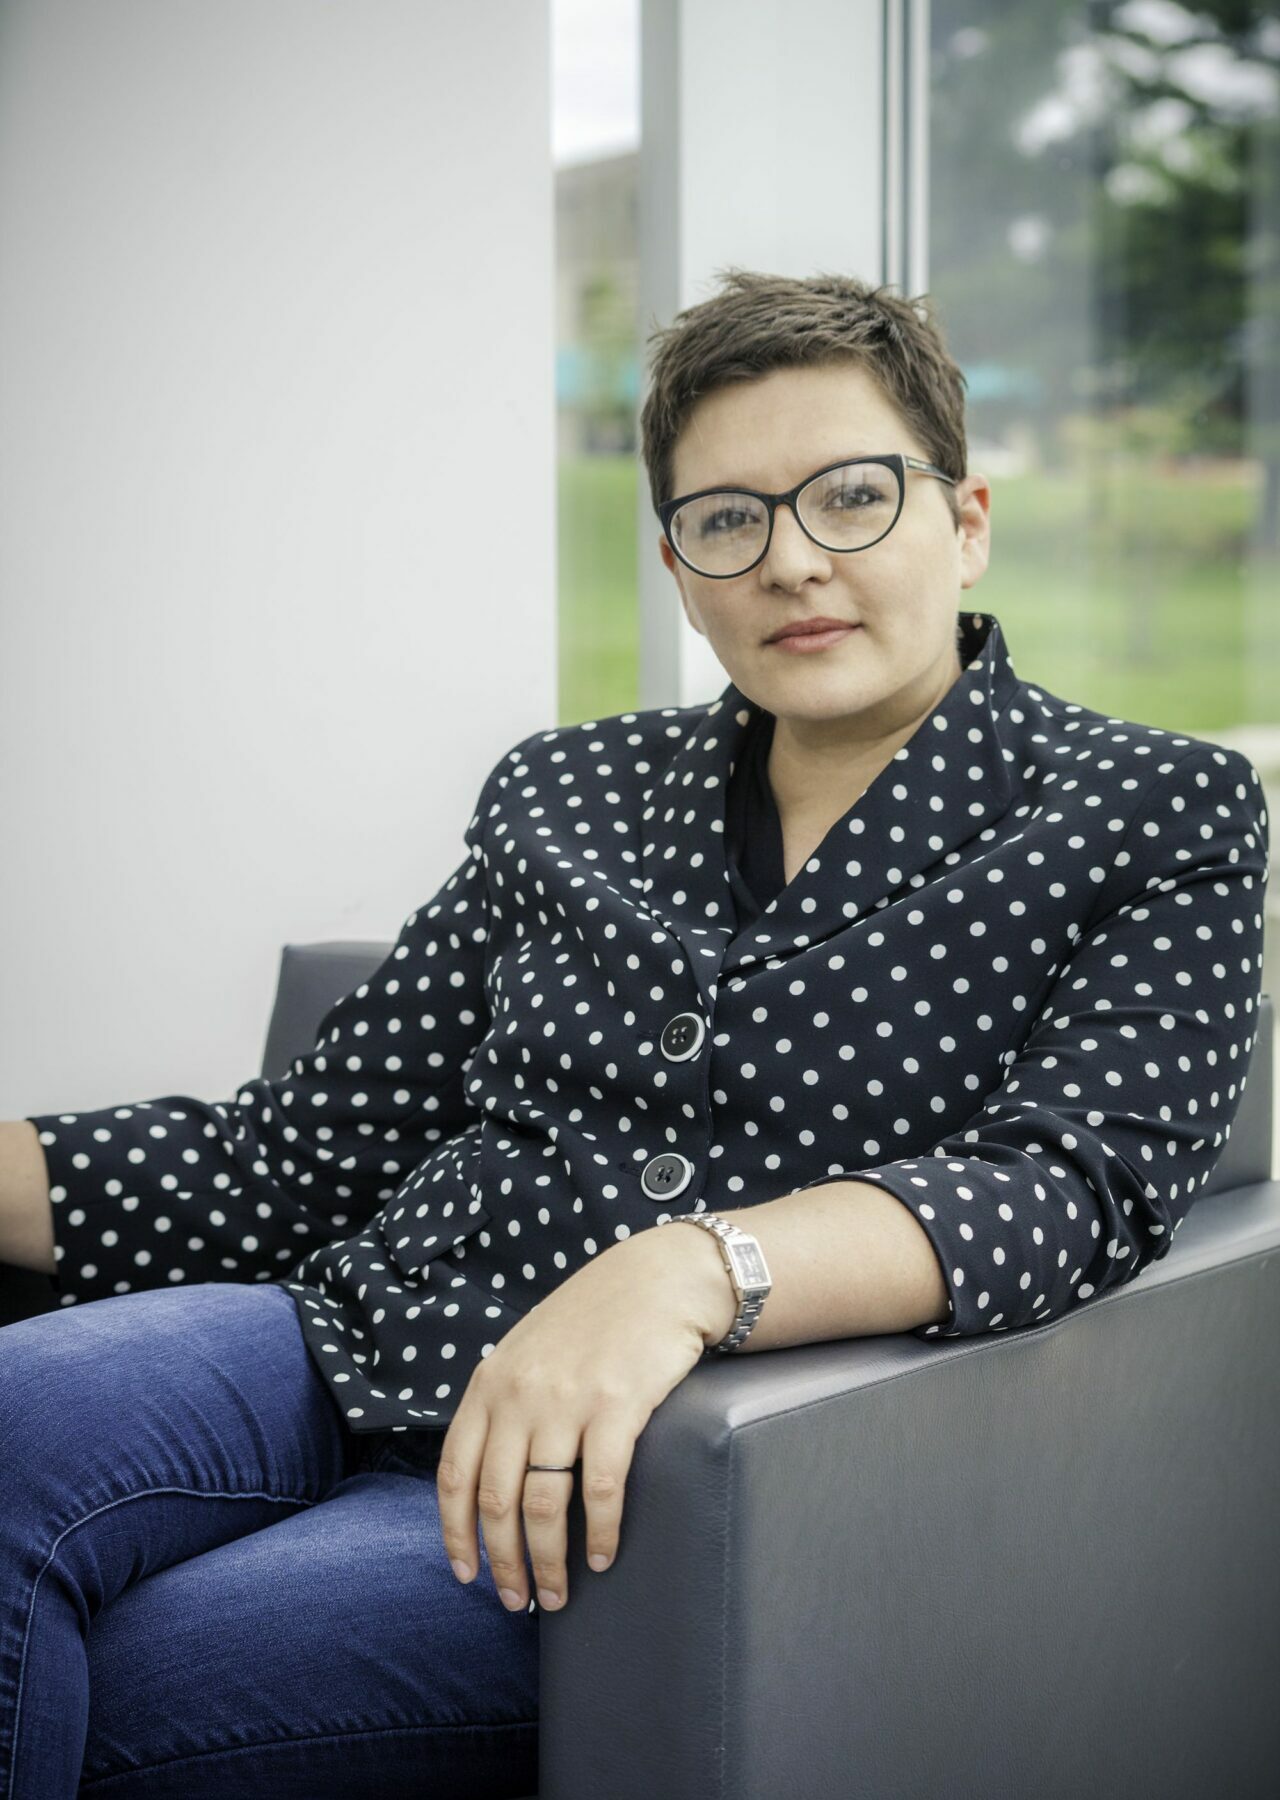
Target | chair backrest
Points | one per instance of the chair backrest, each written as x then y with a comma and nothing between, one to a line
312,977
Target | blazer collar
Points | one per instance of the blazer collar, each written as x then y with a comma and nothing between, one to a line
948,782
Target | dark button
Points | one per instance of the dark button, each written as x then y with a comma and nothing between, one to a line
682,1037
665,1176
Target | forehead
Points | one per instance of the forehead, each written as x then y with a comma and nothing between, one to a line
771,432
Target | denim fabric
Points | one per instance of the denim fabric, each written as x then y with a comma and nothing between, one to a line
211,1587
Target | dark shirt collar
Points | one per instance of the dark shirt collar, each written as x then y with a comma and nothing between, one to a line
752,826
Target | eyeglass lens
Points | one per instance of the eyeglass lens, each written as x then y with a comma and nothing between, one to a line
847,508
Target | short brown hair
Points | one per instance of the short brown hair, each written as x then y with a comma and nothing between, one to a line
757,323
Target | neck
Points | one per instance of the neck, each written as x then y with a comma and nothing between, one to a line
816,765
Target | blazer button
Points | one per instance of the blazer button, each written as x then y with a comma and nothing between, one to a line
665,1176
682,1037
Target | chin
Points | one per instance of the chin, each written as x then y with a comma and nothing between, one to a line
817,699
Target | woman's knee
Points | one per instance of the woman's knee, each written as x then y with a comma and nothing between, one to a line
164,1383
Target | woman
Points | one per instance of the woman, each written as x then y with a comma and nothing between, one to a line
938,987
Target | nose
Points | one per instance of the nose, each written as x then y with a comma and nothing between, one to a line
793,555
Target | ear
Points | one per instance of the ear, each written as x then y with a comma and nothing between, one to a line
973,496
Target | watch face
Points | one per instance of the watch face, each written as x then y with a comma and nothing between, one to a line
749,1265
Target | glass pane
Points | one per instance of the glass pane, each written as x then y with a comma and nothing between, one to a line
595,94
723,532
1105,253
851,507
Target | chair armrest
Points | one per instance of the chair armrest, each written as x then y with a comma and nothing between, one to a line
1046,1561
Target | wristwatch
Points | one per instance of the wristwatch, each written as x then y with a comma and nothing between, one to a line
748,1271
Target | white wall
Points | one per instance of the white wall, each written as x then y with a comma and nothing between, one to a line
275,339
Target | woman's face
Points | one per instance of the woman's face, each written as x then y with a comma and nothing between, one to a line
902,593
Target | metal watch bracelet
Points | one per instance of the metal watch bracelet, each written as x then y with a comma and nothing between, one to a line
750,1303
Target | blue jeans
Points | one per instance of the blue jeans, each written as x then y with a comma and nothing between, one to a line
209,1586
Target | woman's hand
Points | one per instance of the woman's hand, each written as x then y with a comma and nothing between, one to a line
580,1373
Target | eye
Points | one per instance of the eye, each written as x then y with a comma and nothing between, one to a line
727,518
858,497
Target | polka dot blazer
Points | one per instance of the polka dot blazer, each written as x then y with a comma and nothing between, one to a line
1016,985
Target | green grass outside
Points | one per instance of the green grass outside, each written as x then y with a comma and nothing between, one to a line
1128,591
599,615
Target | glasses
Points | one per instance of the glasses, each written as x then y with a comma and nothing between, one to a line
722,532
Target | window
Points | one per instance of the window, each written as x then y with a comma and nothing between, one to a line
596,50
1104,251
1104,248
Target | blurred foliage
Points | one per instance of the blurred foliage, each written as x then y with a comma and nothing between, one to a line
1109,235
607,338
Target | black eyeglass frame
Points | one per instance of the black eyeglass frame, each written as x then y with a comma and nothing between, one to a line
893,459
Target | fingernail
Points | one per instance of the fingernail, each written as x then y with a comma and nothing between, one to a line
599,1560
549,1598
462,1570
510,1598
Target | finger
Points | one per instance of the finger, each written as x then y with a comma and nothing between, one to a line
499,1494
457,1476
608,1448
547,1493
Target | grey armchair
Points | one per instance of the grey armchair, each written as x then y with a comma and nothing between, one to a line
1040,1564
1045,1563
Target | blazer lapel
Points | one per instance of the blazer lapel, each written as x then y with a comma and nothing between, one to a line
946,784
684,871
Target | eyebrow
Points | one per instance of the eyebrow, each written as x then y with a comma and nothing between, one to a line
740,487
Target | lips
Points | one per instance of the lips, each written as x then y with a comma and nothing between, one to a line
807,627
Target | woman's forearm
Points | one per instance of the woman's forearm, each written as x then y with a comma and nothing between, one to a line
26,1212
847,1260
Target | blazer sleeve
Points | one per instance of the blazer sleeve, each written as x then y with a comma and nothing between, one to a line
177,1190
1079,1168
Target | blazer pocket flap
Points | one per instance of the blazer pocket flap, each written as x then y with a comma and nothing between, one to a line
438,1210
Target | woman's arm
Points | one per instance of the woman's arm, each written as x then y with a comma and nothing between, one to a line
26,1212
846,1260
1078,1169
